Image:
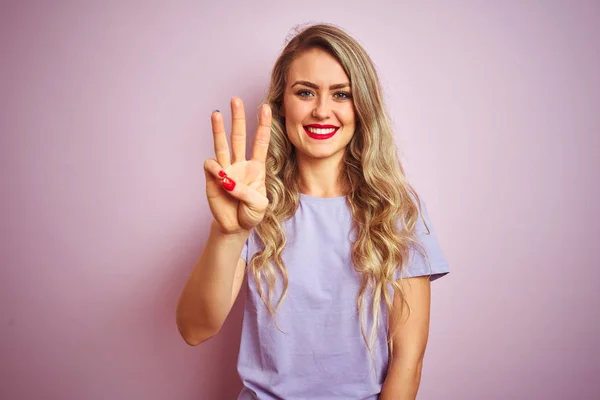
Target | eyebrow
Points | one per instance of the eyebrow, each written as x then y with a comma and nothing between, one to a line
314,86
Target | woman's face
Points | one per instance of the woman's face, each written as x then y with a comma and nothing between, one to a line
317,106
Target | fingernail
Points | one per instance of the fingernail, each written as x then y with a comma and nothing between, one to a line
214,111
222,174
228,184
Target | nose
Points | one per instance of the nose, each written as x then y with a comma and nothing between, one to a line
322,110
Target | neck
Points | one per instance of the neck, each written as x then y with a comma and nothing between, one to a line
321,177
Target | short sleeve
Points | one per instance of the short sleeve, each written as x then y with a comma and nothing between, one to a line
250,247
433,262
244,254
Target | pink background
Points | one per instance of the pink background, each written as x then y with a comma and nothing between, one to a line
105,126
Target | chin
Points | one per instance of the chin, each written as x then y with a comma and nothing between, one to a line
323,154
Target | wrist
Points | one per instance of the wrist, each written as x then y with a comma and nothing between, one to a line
240,234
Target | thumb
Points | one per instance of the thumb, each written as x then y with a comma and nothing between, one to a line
244,193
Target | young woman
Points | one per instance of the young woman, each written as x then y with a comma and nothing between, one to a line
337,247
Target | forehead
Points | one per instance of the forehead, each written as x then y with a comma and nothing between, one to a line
317,66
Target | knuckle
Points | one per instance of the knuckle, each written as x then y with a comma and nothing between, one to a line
262,139
238,137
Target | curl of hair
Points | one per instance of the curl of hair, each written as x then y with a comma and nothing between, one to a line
384,206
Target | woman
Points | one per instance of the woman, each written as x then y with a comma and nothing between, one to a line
338,250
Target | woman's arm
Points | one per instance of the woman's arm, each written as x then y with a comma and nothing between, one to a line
410,333
237,198
212,287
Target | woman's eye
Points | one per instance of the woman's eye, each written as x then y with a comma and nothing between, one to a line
304,93
342,95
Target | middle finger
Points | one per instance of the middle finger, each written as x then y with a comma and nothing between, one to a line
238,130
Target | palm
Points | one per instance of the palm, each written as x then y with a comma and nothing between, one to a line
244,207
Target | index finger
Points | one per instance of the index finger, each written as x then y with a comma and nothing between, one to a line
263,135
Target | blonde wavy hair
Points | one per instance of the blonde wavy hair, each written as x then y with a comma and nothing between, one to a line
383,204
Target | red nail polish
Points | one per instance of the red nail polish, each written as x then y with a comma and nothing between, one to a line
228,184
222,174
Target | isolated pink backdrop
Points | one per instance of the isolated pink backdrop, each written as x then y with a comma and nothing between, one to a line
105,126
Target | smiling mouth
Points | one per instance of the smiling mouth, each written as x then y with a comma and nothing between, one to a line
320,132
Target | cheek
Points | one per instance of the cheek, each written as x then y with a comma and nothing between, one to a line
297,111
348,116
291,125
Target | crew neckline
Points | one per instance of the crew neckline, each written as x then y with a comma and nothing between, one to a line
313,199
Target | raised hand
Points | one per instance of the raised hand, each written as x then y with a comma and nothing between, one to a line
235,187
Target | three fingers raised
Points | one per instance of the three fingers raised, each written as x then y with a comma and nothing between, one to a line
238,135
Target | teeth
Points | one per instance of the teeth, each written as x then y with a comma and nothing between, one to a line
320,131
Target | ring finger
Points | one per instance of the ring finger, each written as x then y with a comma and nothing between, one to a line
220,140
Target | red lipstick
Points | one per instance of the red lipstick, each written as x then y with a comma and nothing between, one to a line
331,130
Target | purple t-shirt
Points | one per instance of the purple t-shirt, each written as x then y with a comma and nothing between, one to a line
321,353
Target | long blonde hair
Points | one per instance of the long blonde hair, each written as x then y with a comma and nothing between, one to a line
383,205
